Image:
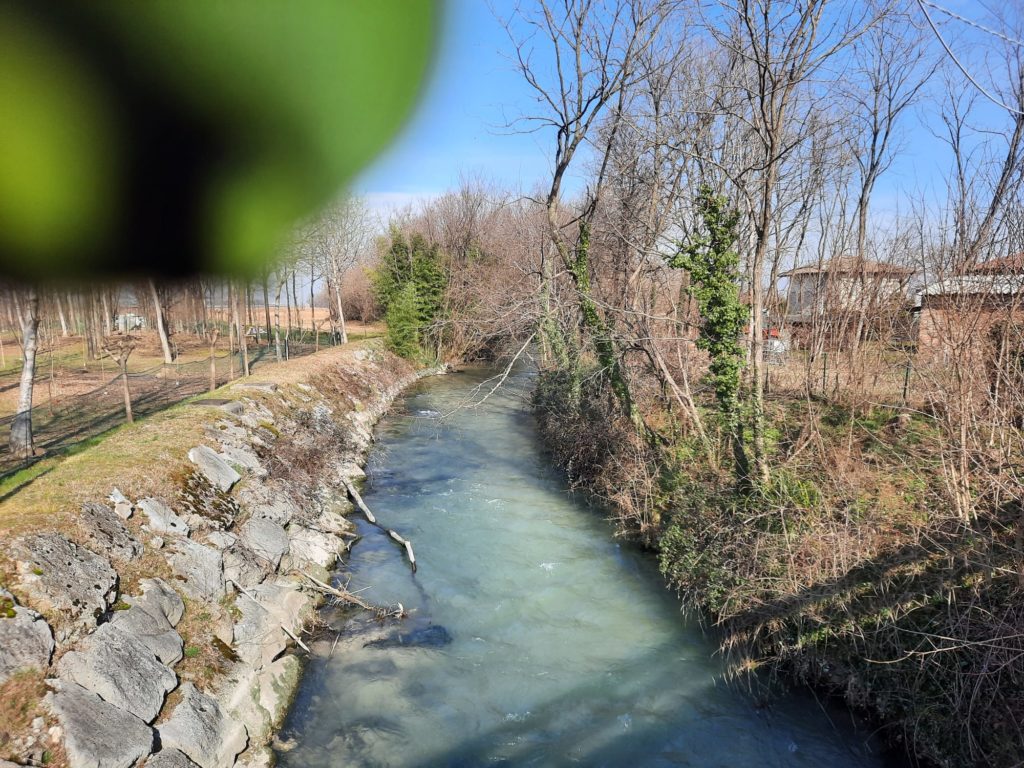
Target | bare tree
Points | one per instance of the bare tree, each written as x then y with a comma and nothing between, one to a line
240,330
21,439
212,334
595,51
779,45
120,350
161,323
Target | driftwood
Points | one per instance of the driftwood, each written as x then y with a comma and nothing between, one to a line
361,505
408,548
345,596
358,501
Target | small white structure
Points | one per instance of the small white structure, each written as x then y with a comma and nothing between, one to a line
129,322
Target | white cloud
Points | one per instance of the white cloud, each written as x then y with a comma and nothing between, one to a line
382,205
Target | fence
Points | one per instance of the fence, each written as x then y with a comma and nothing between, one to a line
60,422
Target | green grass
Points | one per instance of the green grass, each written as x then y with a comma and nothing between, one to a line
13,481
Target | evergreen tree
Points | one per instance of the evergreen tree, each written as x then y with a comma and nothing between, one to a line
402,335
410,284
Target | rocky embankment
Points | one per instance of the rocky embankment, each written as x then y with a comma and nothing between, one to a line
161,627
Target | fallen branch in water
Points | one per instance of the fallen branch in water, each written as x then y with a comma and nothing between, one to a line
358,501
501,377
397,612
408,548
361,505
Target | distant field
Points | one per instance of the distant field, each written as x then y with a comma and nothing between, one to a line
76,399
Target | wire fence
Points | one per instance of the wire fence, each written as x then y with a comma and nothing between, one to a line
59,421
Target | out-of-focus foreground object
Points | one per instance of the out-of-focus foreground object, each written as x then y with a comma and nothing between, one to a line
170,137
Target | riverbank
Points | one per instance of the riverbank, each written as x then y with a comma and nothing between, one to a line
534,636
152,584
850,570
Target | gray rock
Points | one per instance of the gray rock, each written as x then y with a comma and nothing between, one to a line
199,728
162,518
330,521
243,457
233,407
349,471
120,669
311,546
271,501
244,568
97,734
122,505
169,758
225,429
106,533
147,622
157,596
65,580
261,386
221,539
277,683
26,641
220,474
258,636
201,568
266,539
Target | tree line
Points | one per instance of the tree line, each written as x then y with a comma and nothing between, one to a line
712,163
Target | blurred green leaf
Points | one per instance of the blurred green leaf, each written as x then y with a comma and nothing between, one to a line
177,137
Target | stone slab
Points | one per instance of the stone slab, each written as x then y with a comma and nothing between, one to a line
26,641
199,728
119,668
220,474
96,733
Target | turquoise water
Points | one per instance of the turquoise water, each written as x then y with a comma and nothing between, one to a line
536,638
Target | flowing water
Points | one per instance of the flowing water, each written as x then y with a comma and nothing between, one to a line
536,637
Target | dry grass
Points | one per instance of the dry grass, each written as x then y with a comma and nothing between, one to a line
147,458
21,703
206,657
140,459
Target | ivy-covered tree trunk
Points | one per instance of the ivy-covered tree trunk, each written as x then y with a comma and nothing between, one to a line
604,343
713,265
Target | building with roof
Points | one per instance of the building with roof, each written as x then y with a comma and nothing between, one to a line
979,310
835,291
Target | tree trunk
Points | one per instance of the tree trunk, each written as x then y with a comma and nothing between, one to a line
243,344
277,324
295,302
337,299
127,392
161,325
288,310
72,317
266,306
60,315
105,327
21,442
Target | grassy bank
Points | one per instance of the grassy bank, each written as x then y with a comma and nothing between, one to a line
312,413
850,570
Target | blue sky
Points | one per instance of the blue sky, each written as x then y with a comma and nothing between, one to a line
459,127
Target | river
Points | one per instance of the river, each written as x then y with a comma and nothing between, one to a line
536,638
